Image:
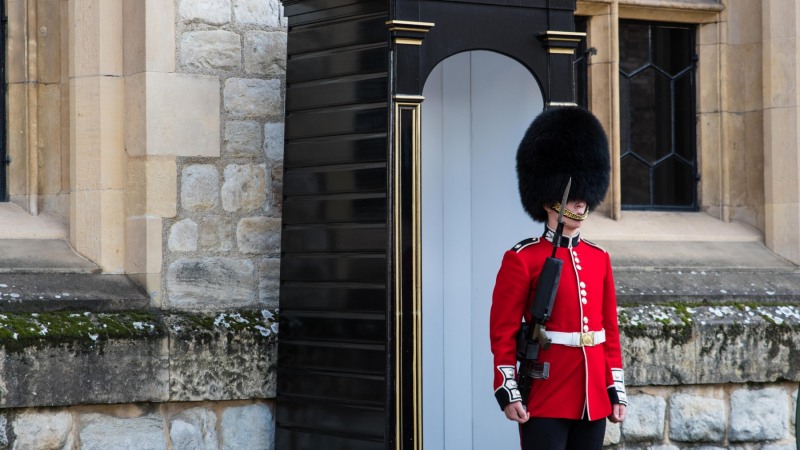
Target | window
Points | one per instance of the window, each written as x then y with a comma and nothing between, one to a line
658,162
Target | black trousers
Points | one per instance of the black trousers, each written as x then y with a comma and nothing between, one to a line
562,434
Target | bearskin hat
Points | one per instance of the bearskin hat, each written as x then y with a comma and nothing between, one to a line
562,142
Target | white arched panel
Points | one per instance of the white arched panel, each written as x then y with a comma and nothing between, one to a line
477,107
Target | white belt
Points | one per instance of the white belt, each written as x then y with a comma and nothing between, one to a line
589,339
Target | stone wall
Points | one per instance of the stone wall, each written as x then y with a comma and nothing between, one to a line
711,417
709,377
209,426
223,246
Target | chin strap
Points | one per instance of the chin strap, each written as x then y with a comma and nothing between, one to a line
579,217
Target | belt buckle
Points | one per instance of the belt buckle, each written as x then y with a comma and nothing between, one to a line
587,339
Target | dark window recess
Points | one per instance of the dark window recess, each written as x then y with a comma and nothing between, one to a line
658,157
581,65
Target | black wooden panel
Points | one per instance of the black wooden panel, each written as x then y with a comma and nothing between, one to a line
369,118
332,327
342,208
314,38
295,7
332,418
355,267
346,237
355,388
371,59
290,438
335,179
343,91
339,149
329,10
359,358
332,297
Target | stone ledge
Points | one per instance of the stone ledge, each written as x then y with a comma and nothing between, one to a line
63,358
696,345
45,292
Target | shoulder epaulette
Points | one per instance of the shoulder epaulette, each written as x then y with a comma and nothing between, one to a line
594,245
524,243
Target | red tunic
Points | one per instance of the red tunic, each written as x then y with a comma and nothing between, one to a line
585,301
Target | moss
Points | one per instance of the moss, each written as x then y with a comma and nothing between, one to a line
82,330
89,330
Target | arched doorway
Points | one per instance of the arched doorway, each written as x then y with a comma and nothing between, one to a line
477,106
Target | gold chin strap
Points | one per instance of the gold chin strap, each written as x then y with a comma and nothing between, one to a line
579,217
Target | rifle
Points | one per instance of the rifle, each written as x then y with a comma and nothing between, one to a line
531,338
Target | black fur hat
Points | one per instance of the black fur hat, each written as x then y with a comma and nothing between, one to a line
561,143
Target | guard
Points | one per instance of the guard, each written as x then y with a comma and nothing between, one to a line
579,381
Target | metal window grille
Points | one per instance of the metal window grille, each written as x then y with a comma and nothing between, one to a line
658,157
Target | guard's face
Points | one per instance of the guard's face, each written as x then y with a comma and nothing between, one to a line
578,207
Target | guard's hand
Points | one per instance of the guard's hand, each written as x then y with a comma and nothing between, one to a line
617,413
514,411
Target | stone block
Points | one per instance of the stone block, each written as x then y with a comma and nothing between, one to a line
149,36
728,337
646,338
251,427
199,187
708,75
34,431
98,227
259,235
211,283
96,133
780,155
667,447
253,97
17,139
269,282
172,114
613,435
273,140
265,13
779,73
194,429
216,233
791,446
48,41
744,22
794,408
16,42
143,240
265,53
213,49
244,188
758,415
242,138
212,12
49,140
127,364
276,189
95,38
223,357
778,19
152,186
780,233
647,424
183,236
696,419
103,432
741,69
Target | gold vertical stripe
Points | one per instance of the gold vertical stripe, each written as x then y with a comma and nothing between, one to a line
417,277
398,321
